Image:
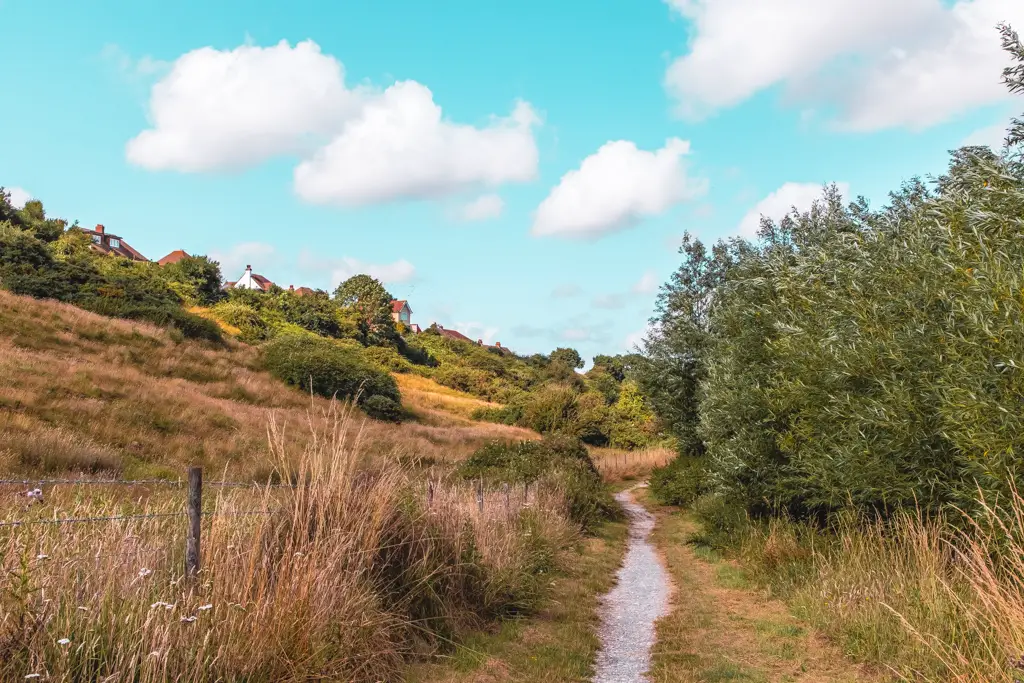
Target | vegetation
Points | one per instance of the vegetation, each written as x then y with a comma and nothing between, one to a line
845,393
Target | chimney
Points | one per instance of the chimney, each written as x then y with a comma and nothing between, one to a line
291,288
100,229
479,342
248,269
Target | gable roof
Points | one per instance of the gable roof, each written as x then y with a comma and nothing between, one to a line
454,334
398,304
173,257
262,281
103,245
300,291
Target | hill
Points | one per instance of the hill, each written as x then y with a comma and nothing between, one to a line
83,392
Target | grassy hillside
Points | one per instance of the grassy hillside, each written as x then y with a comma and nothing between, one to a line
83,392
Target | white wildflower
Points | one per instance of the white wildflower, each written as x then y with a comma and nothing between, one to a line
143,573
64,641
188,620
33,676
42,556
165,605
83,609
203,608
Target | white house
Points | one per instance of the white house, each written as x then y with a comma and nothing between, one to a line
251,280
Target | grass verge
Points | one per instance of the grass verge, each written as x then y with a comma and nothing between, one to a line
557,644
722,628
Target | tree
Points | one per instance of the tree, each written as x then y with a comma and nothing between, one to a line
569,357
199,277
1013,77
367,296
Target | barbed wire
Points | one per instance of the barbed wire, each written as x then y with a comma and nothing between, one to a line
114,518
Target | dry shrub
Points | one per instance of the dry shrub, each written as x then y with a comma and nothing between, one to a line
342,578
617,465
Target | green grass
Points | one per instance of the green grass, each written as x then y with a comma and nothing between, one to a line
557,644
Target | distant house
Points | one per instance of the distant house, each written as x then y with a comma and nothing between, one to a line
251,280
105,243
401,312
452,334
301,291
173,257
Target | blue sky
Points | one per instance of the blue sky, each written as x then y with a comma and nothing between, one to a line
519,171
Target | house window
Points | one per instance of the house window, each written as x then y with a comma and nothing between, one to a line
97,239
115,243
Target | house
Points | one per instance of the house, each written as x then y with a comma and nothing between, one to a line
173,257
401,312
301,291
495,347
251,280
105,243
452,334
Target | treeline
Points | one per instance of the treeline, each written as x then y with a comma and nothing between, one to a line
853,357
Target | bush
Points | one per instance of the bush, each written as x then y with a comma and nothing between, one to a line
253,328
329,369
562,461
382,408
681,482
387,358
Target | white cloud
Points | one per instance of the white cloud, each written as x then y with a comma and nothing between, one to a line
616,187
18,197
228,109
992,136
609,301
635,340
781,202
647,284
130,68
400,147
566,291
575,334
234,260
398,271
883,64
482,208
478,331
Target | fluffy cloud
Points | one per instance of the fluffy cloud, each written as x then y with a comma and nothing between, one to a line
992,136
635,340
610,301
401,147
18,196
398,271
883,64
482,208
475,330
647,284
781,202
228,109
130,68
616,187
234,260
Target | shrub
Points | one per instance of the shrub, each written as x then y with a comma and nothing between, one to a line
190,326
382,408
681,482
253,328
326,368
387,358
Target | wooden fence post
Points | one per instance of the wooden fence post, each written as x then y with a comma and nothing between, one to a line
526,492
195,508
430,493
480,495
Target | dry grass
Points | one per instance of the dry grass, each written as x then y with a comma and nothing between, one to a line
345,579
619,465
86,393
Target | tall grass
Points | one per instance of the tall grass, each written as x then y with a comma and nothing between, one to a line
616,464
928,599
343,578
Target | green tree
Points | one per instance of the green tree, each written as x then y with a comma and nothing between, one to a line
569,357
372,303
198,277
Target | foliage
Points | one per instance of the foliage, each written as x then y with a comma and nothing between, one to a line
326,368
560,460
570,357
854,357
682,482
198,279
372,304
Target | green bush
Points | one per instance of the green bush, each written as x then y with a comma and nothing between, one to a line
387,358
190,326
382,408
560,461
681,482
329,369
252,326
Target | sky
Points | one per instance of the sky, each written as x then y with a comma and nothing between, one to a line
520,171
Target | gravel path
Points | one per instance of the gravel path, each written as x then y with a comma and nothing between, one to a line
630,609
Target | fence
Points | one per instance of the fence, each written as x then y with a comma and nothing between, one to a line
194,503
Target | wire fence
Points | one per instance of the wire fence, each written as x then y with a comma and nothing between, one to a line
139,482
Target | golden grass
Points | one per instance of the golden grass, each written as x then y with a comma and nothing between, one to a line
82,392
345,578
206,313
619,465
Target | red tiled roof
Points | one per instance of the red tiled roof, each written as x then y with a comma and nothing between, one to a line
262,282
454,334
173,257
103,245
301,291
398,304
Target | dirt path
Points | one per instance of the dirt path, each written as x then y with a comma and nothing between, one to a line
629,610
722,628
